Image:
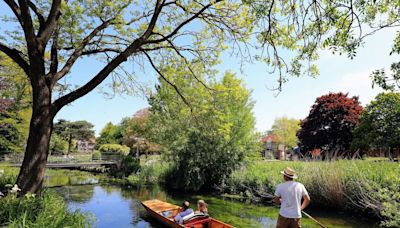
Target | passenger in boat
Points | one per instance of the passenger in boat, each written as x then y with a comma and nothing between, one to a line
185,212
289,195
201,207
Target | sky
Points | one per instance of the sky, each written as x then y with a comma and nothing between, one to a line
337,74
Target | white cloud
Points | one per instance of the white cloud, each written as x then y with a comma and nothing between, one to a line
358,84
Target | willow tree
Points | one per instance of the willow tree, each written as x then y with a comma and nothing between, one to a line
47,38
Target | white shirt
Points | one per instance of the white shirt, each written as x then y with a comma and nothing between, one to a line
291,193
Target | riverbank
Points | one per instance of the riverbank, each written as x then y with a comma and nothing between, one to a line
366,188
47,210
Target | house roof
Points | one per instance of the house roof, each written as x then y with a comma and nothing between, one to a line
269,138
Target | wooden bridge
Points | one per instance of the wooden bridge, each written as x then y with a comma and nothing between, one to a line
67,162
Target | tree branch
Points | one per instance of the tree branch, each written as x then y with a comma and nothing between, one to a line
36,11
16,56
27,26
196,15
49,26
78,51
111,66
167,81
14,7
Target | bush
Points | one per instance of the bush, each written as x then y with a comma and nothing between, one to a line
114,148
129,165
96,155
48,210
149,174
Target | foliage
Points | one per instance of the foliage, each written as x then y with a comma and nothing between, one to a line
380,123
285,129
129,165
58,145
15,101
330,123
114,149
110,134
361,187
46,39
73,130
380,77
48,210
96,155
208,135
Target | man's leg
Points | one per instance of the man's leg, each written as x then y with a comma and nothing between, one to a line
295,223
282,222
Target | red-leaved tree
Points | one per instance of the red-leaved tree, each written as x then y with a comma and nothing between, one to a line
330,124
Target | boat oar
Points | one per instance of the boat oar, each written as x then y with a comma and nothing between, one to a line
310,217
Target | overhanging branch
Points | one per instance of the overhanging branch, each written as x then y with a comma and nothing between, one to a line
16,56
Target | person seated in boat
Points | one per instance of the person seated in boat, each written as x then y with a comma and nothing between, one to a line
201,207
185,212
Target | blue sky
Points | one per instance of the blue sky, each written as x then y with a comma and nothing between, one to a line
337,73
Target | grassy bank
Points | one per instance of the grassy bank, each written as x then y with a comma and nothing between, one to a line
47,210
365,187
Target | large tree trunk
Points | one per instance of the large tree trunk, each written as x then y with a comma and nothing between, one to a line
31,175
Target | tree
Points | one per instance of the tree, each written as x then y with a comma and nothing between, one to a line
110,134
380,124
208,139
285,130
330,123
78,130
51,36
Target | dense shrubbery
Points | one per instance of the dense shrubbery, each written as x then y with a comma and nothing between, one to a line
96,155
207,140
129,165
356,186
114,148
48,210
150,174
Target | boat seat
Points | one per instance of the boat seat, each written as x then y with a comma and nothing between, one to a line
194,217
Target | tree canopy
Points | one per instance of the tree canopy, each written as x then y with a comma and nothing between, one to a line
77,130
285,130
208,139
380,124
330,124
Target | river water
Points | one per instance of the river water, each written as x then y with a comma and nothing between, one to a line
116,206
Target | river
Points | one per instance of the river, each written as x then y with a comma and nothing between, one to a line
116,206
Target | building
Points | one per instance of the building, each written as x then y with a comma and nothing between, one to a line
272,149
85,146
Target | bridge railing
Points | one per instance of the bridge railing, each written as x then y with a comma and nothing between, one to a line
71,158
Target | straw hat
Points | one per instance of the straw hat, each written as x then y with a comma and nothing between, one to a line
289,172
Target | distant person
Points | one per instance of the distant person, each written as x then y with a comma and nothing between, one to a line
201,207
185,211
289,194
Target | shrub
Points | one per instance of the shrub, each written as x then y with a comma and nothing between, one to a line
48,210
96,155
129,165
114,148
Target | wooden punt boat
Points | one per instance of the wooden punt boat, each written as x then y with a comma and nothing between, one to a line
165,212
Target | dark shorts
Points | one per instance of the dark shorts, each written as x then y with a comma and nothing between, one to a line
288,222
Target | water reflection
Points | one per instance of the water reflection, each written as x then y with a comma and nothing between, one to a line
114,206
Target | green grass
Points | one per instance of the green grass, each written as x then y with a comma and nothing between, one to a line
359,186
